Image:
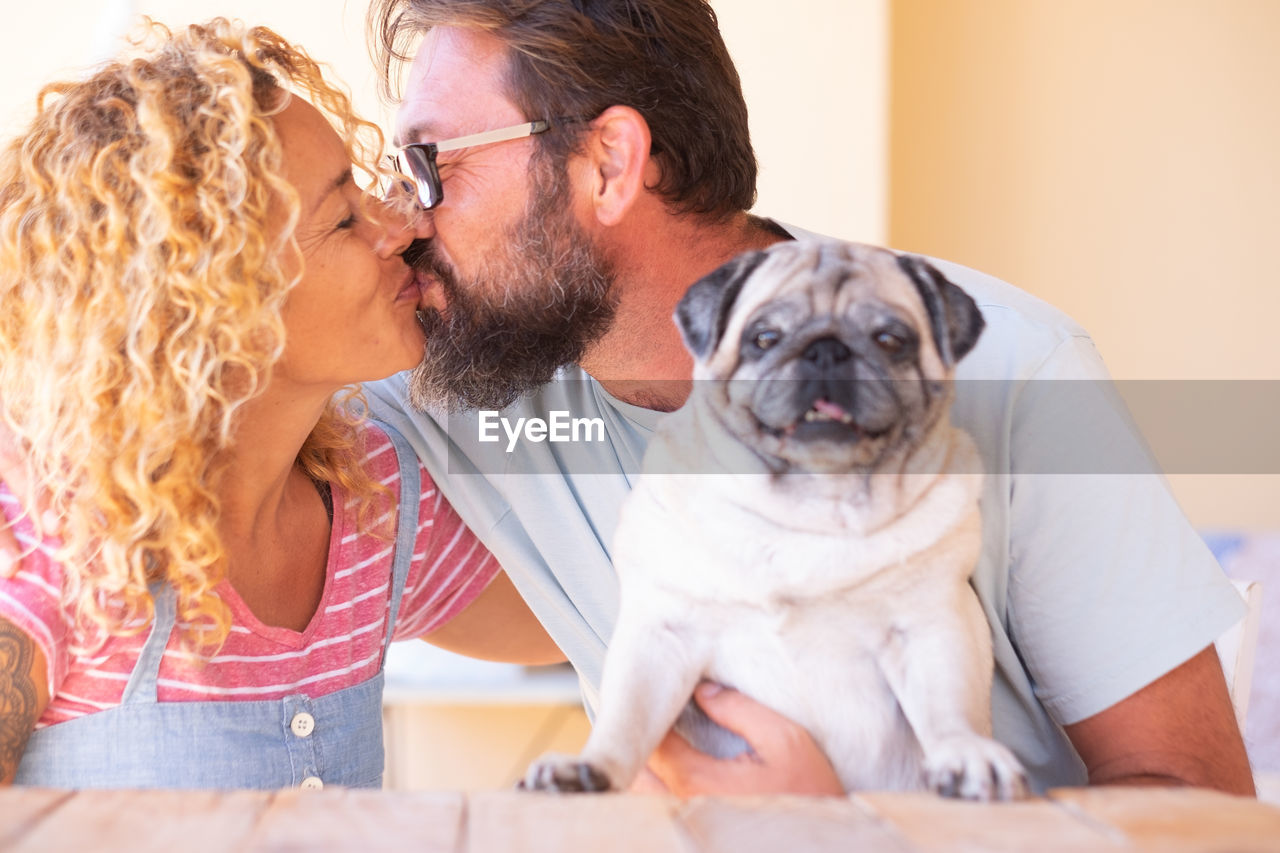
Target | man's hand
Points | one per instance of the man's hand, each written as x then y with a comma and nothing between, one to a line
786,759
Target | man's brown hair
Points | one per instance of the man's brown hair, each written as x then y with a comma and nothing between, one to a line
665,58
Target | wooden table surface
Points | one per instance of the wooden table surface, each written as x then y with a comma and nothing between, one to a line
510,822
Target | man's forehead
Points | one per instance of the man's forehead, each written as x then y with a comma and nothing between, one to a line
456,85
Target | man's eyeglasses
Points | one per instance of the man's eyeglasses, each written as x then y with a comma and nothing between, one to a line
421,156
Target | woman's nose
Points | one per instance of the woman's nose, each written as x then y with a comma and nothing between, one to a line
424,224
400,227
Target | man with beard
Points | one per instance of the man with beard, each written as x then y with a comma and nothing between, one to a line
582,164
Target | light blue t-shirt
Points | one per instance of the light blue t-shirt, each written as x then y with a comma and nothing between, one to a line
1091,578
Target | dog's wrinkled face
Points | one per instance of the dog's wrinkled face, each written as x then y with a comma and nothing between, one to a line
828,357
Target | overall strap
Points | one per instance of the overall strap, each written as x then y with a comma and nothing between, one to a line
141,687
406,522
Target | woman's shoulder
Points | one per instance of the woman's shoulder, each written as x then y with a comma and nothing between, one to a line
377,453
381,461
379,458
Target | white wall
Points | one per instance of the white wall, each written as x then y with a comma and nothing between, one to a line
33,52
816,82
822,157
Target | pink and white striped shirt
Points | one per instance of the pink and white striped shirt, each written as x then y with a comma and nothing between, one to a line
341,647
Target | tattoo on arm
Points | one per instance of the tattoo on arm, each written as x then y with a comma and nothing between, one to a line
19,703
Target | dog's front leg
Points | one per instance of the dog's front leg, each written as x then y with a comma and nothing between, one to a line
940,672
650,671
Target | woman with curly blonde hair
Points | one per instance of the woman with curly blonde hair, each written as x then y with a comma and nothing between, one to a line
189,273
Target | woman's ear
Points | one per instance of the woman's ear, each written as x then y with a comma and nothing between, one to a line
618,158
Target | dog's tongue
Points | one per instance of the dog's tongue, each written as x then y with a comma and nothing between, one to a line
828,408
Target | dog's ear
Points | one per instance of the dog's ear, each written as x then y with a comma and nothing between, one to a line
953,314
703,312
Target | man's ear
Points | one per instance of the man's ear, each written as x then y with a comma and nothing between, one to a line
618,154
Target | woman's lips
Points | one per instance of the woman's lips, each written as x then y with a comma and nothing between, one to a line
412,291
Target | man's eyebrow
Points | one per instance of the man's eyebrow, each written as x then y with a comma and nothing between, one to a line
334,185
414,133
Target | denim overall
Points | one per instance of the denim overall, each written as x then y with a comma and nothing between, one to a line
294,741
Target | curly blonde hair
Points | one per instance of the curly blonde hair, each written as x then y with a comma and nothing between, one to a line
145,231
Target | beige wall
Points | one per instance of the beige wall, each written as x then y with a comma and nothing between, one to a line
1118,158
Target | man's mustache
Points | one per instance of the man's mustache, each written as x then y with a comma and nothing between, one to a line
421,256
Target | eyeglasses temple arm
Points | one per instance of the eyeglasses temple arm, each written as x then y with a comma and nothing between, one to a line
488,136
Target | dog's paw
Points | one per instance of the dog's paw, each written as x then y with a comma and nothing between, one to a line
972,767
565,774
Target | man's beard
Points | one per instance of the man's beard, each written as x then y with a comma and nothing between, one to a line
532,309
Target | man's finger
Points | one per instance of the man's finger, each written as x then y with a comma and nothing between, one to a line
675,750
769,733
686,772
736,711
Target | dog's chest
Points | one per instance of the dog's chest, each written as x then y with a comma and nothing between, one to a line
817,664
787,648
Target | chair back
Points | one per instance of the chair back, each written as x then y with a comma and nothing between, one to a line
1237,647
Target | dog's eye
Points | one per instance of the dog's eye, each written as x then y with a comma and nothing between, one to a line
765,339
889,342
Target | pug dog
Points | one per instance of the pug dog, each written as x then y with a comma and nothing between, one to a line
805,529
